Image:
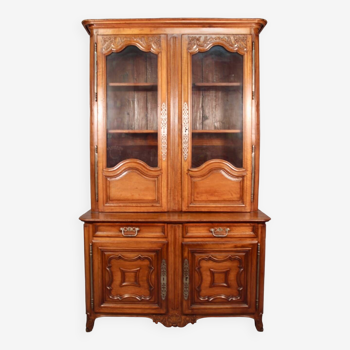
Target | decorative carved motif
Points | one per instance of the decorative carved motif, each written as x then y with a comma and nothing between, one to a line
185,130
186,279
124,296
204,43
215,276
163,280
220,296
164,129
133,273
143,42
174,320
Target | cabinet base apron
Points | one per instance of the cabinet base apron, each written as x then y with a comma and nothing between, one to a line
173,320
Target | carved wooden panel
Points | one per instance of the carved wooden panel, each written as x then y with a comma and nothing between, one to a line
129,275
132,183
205,42
222,277
115,43
122,281
214,185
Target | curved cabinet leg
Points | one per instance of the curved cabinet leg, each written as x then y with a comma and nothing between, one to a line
259,324
90,321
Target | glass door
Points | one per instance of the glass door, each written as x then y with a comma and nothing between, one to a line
216,122
133,141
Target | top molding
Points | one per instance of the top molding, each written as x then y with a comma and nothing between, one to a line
257,23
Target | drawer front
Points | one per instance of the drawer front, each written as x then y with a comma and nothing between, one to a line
130,230
220,230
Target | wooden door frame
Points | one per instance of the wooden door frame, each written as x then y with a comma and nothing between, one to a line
157,44
191,44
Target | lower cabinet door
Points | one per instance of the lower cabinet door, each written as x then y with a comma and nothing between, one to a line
129,276
219,278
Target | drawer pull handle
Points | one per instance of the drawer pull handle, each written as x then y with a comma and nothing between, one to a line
133,230
216,231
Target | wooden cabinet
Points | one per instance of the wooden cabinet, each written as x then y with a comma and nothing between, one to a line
174,232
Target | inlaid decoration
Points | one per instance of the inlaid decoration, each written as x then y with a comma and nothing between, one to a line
129,277
205,42
143,42
164,130
185,130
220,281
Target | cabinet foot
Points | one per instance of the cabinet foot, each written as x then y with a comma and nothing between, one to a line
90,321
259,324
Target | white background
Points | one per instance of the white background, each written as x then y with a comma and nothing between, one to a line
304,187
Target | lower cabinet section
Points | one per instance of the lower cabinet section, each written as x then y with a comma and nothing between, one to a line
175,275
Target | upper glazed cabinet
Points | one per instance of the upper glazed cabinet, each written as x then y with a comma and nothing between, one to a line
174,118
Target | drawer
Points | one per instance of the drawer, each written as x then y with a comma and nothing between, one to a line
130,230
219,230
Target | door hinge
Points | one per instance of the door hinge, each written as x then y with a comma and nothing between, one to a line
258,277
95,72
253,72
96,173
91,280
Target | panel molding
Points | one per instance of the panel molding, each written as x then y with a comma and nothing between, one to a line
110,276
238,278
152,177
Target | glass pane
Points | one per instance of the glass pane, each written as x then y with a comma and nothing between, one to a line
132,100
217,106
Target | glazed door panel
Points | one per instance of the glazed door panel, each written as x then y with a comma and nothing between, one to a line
129,277
132,123
219,278
216,122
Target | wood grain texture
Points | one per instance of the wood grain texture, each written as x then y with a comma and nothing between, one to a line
127,275
175,217
221,277
178,23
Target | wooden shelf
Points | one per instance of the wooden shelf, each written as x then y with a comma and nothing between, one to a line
136,143
216,84
133,84
216,131
132,131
